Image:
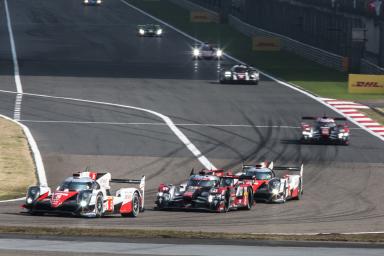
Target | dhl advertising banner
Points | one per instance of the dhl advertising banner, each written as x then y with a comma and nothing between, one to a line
201,16
261,43
373,84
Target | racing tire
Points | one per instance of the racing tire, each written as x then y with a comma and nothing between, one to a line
250,199
300,194
135,207
34,213
99,206
226,201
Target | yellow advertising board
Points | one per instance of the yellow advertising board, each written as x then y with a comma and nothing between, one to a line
262,43
202,16
373,84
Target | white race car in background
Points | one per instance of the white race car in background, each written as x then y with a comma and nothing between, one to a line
207,51
87,194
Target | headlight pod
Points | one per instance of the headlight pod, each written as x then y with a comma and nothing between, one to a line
196,52
274,184
141,31
159,32
219,53
32,194
227,74
84,198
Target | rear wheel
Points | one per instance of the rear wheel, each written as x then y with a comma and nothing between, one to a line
226,201
135,206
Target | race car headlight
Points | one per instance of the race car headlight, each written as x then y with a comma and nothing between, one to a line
160,194
98,1
159,31
210,198
33,193
275,191
219,53
84,198
227,74
29,200
274,184
141,31
85,1
196,52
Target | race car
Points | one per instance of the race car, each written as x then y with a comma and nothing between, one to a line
206,51
269,187
151,30
87,194
326,130
239,74
211,190
92,2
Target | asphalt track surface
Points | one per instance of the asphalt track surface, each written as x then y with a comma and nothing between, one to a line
68,50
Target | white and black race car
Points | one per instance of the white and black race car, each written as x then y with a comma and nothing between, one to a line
92,2
87,194
151,30
207,51
239,74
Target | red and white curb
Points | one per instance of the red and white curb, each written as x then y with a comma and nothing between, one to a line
351,110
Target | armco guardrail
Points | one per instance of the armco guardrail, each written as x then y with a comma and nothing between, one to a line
307,51
368,67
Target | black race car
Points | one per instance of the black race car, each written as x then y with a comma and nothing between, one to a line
150,30
325,129
239,74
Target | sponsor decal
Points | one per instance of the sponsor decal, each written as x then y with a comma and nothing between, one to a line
373,84
58,198
202,16
260,43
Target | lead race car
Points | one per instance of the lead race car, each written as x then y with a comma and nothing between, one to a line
271,188
150,30
325,129
87,194
212,190
239,74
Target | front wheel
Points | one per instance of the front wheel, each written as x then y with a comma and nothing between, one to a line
249,200
99,206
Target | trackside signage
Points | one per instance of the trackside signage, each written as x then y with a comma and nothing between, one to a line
373,84
261,43
201,16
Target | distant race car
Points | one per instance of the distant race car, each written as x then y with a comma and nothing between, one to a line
87,194
269,187
92,2
239,74
151,30
207,51
325,129
212,190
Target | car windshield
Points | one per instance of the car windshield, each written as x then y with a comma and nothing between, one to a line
257,173
201,183
75,186
206,48
326,124
240,69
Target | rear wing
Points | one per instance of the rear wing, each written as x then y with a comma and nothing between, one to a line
299,169
141,183
314,118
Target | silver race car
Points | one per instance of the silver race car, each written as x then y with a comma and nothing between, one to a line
207,51
239,74
150,30
92,2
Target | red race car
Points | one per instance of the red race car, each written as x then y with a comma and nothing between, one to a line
212,190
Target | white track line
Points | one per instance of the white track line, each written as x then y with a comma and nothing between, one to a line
318,99
203,160
163,124
13,200
19,87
